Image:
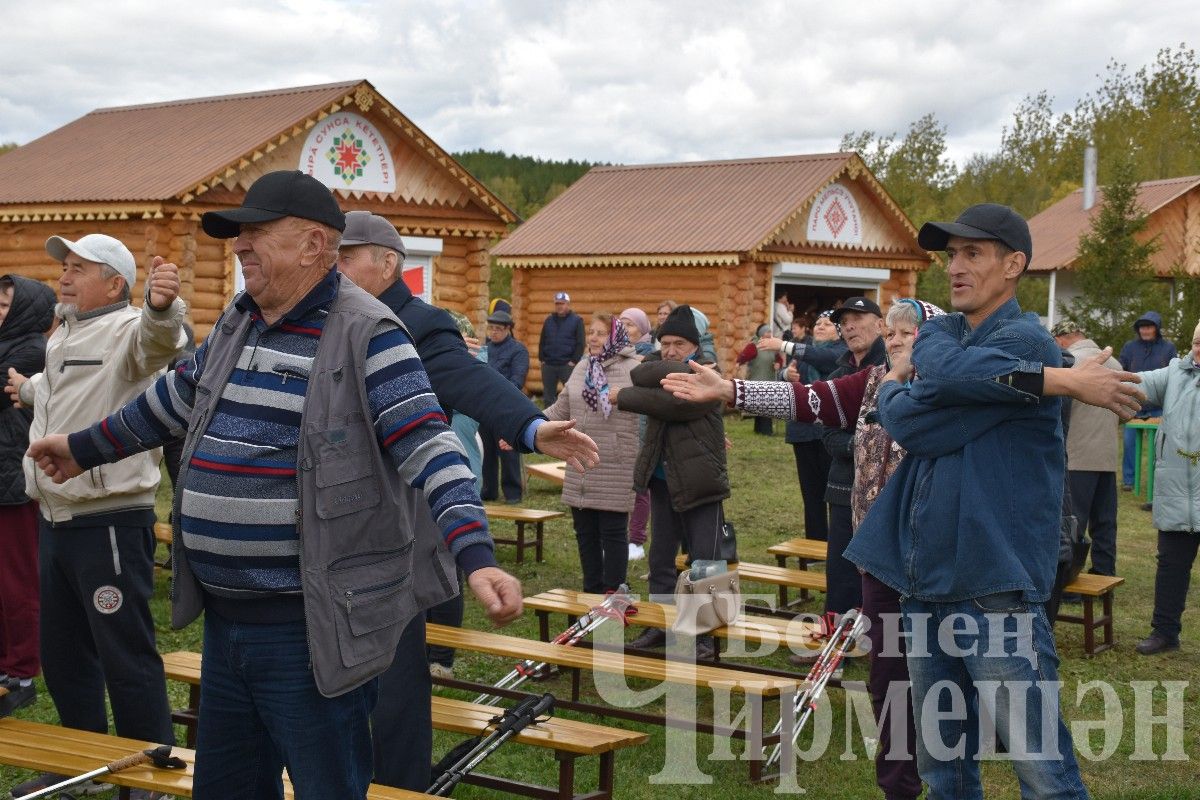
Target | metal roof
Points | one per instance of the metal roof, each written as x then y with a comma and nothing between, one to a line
693,207
1056,230
155,151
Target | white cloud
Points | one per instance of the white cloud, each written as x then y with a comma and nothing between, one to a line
611,81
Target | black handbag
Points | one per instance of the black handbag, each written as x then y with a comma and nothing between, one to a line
726,541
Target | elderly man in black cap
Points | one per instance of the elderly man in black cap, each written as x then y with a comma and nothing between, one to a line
681,462
372,254
967,529
309,427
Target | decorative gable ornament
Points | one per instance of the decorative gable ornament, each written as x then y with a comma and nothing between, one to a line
345,151
834,217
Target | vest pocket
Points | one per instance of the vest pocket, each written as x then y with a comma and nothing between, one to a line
368,593
345,472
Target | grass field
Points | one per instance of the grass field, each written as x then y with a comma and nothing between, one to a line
1127,755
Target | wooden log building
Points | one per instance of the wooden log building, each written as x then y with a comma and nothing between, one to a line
145,174
1172,209
723,236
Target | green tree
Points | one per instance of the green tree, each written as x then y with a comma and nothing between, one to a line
6,146
1113,272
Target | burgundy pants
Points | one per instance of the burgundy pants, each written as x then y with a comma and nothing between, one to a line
19,590
895,772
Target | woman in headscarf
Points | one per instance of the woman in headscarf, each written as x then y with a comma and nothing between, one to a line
601,499
637,326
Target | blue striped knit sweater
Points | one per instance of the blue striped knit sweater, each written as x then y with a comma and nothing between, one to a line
240,502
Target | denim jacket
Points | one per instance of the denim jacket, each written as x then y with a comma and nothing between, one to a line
974,509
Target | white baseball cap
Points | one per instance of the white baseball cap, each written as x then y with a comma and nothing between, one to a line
100,248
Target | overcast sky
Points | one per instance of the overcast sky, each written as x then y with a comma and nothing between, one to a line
626,82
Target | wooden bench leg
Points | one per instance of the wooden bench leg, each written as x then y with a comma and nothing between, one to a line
566,775
1089,626
520,542
606,784
538,546
1107,607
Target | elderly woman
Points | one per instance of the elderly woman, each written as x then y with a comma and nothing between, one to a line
1176,388
637,325
601,498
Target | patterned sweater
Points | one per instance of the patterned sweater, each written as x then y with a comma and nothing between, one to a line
240,500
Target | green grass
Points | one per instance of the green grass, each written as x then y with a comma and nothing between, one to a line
766,508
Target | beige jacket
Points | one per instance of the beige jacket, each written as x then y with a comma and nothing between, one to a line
609,485
96,362
1092,438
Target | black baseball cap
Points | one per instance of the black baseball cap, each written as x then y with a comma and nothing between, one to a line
286,193
983,221
864,305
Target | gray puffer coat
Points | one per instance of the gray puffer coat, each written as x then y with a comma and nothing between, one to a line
608,486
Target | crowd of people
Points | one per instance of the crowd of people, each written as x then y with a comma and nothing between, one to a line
334,420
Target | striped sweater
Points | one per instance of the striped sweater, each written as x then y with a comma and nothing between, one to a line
240,501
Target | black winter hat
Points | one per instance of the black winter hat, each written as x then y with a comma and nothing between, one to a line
286,193
681,323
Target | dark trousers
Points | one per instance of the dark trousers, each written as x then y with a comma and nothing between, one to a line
764,426
448,613
97,631
603,548
1094,496
698,528
552,376
19,590
844,583
1176,552
812,467
261,712
506,462
402,722
895,761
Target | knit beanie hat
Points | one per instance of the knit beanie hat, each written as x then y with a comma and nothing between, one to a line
682,323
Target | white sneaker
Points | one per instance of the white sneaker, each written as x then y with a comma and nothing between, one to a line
636,552
437,670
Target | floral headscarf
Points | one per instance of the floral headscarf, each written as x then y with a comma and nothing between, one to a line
595,382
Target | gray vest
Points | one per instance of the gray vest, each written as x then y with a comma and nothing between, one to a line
371,556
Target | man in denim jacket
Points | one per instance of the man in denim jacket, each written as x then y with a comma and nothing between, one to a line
967,529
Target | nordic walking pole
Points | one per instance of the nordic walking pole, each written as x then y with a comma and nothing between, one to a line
618,605
840,643
512,722
160,756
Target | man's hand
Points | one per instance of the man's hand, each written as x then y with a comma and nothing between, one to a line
561,440
792,374
13,387
53,457
473,346
770,343
1095,384
499,592
704,385
162,282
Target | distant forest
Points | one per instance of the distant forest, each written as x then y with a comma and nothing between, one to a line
525,183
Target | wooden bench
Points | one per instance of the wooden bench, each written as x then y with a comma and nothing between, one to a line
1089,587
805,551
569,739
553,471
795,633
522,517
757,688
781,577
66,751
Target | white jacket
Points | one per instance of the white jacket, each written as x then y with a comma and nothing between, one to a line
96,362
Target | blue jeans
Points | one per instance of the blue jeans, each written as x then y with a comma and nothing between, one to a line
260,711
1127,456
990,676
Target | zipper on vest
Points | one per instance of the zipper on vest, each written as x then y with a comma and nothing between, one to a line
379,587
